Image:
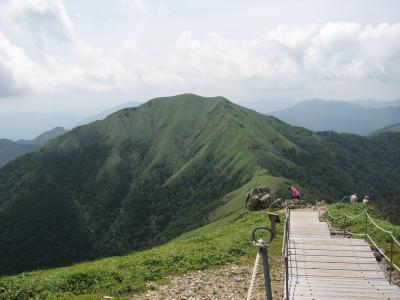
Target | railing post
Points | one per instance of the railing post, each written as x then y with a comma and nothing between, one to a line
263,251
286,277
344,226
391,259
286,253
267,277
366,226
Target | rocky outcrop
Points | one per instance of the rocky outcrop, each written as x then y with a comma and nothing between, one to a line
259,198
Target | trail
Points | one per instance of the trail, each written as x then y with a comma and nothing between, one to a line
227,282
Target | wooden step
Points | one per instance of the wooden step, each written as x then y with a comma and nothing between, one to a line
321,267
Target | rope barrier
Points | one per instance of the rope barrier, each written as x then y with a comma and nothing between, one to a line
334,218
254,275
357,234
376,225
381,251
393,238
356,216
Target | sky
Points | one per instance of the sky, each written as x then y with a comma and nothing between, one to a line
61,61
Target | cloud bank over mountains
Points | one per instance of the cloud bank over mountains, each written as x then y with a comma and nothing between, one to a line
41,51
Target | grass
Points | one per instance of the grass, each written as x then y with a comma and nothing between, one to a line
122,276
357,225
233,203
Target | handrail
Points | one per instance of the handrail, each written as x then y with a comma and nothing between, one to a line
285,248
382,252
332,217
356,216
395,240
367,216
376,225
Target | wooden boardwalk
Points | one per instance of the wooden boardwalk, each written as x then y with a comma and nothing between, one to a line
321,267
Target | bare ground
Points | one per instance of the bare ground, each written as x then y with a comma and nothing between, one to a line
227,282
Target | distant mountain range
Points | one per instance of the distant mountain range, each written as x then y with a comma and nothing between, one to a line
391,128
267,106
102,115
145,175
377,103
44,137
340,116
10,149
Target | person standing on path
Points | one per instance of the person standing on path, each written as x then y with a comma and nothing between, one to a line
353,198
294,192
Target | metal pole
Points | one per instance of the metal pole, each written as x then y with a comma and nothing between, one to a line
391,259
263,251
267,277
286,277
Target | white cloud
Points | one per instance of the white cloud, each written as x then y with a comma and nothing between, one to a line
292,57
282,58
38,18
14,69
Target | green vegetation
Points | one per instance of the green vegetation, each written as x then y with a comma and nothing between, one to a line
357,225
120,276
146,175
391,128
10,150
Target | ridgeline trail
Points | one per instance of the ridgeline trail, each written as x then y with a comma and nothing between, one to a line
322,267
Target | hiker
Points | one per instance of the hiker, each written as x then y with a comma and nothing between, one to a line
366,199
294,192
353,198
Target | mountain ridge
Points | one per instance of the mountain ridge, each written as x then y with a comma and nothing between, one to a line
339,116
145,175
9,149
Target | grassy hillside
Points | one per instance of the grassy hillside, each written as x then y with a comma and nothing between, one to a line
122,276
134,180
357,225
146,175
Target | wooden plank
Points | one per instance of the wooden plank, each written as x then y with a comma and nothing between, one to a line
360,289
336,273
324,268
324,291
336,266
338,295
328,260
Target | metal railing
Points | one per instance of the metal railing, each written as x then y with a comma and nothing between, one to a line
285,249
367,220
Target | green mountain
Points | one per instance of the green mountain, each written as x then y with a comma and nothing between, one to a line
10,149
44,137
145,175
391,128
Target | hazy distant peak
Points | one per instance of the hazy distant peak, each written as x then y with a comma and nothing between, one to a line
339,116
45,136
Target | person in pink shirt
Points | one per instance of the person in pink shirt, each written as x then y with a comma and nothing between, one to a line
294,192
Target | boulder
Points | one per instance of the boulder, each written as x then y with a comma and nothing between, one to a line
258,198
